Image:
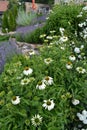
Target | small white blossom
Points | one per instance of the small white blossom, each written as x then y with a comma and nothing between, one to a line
79,56
53,31
25,81
47,18
61,30
31,52
69,65
80,15
76,50
62,48
15,100
81,70
36,120
83,117
48,104
80,25
72,58
82,46
63,39
41,85
48,80
27,71
75,102
84,8
48,61
43,35
49,37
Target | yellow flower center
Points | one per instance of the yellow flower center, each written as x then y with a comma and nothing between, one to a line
48,60
72,55
25,81
47,78
26,68
39,83
14,98
80,69
48,103
36,120
69,63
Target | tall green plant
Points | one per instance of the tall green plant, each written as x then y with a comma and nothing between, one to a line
4,22
9,19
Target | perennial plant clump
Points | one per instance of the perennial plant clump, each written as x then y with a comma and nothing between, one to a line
46,91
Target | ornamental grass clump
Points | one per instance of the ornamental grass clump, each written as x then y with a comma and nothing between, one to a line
25,18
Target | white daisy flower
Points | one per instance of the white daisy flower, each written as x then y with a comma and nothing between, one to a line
41,85
81,70
69,65
27,71
83,117
82,46
47,18
63,39
48,104
31,52
49,37
48,61
48,80
36,120
77,50
62,47
42,36
79,56
84,8
75,102
25,81
61,30
15,100
53,31
80,25
72,58
80,15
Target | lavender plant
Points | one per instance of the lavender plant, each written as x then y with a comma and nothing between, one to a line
7,50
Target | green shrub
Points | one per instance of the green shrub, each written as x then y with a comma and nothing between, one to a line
64,16
4,22
9,20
